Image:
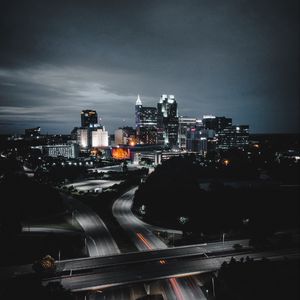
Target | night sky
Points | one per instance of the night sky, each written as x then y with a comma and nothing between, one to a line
238,58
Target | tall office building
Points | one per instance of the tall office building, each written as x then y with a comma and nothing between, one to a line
120,137
91,133
99,137
83,137
197,138
235,136
214,126
125,136
216,123
167,121
146,123
138,109
74,133
185,123
222,135
92,137
89,118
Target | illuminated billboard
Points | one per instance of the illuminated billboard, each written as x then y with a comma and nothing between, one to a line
120,153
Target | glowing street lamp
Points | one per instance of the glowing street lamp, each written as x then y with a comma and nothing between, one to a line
226,162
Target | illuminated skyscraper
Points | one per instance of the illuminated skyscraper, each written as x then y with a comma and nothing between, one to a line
216,123
120,137
138,109
83,137
196,139
185,123
146,123
91,133
235,136
125,136
99,137
89,118
167,121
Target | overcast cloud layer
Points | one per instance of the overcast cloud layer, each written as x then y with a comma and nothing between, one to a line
238,58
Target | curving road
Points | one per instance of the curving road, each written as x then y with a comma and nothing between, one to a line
99,241
144,239
115,168
133,292
139,232
92,184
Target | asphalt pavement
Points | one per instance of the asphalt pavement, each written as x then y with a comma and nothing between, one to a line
144,239
93,184
180,283
99,241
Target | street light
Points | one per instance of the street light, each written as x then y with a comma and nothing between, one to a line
213,285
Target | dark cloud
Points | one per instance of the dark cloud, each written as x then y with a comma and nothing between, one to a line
238,58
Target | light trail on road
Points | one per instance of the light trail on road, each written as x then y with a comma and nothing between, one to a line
144,239
173,281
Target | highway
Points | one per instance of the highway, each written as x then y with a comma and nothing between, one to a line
115,168
99,241
46,229
139,232
144,239
131,292
107,268
89,263
173,269
167,253
130,223
92,184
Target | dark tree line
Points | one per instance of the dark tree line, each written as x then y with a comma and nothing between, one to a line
57,174
31,288
248,279
23,199
173,190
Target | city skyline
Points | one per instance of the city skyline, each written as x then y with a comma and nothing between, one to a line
133,124
149,149
237,59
